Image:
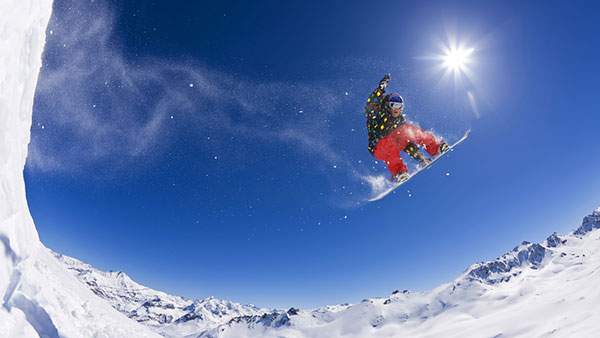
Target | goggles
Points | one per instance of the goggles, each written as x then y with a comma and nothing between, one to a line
396,105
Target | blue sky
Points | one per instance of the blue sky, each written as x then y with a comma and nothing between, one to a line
220,149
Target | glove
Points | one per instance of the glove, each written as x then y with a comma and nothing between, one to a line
384,82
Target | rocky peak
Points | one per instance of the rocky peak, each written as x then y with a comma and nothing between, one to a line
554,241
590,222
501,269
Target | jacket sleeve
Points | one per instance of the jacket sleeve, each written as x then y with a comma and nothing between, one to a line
374,112
375,100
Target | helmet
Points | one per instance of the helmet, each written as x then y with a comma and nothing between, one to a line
394,100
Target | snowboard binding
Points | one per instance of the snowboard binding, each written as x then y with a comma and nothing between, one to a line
401,177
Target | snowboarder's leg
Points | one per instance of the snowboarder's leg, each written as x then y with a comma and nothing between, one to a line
413,151
388,150
406,138
427,139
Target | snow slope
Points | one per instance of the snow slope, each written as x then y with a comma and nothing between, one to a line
39,297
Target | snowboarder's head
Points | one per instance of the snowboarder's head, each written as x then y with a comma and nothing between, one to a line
395,104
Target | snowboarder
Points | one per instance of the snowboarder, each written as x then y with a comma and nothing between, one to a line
390,133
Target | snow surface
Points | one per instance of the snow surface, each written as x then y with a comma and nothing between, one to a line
39,297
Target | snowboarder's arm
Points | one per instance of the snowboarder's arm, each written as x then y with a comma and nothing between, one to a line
377,95
384,82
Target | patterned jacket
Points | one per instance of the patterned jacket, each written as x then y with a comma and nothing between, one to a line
380,121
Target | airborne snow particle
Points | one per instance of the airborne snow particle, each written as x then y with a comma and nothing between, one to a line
191,85
171,117
447,174
346,93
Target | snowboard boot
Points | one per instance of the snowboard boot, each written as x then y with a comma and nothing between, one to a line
444,147
413,151
400,177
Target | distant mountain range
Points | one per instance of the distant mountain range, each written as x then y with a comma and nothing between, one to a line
543,289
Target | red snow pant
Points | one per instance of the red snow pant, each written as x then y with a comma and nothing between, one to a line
388,148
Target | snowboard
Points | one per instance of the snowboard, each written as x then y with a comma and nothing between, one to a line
391,186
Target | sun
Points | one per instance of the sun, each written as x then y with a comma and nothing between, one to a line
456,63
457,59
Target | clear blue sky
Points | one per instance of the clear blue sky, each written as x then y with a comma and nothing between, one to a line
218,149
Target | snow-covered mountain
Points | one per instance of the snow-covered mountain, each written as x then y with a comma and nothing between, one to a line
164,313
169,315
534,290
